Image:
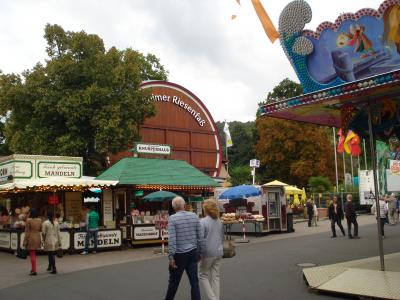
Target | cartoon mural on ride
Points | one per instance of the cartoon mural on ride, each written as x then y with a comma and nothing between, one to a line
355,47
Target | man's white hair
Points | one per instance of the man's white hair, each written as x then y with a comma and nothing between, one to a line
178,203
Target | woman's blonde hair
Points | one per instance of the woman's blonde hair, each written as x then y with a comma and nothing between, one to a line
210,208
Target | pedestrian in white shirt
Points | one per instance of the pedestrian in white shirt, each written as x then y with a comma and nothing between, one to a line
382,213
315,215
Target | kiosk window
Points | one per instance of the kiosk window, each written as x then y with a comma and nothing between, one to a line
273,205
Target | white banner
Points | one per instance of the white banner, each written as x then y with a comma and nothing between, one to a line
392,182
366,185
146,233
5,240
14,241
105,239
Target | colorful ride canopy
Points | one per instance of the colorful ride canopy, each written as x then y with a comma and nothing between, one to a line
355,47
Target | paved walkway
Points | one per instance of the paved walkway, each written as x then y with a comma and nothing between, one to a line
15,271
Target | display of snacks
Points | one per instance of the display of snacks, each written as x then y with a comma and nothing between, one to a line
259,218
229,218
239,218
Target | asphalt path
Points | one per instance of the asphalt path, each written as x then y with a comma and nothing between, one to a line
260,270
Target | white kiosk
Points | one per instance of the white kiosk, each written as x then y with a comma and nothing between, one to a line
275,210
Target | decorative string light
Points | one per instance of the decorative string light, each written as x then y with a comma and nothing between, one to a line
173,187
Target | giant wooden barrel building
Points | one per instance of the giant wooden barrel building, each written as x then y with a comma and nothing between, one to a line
182,121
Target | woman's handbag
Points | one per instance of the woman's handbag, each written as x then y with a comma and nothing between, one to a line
229,250
22,253
60,253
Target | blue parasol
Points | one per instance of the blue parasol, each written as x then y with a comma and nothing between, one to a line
240,191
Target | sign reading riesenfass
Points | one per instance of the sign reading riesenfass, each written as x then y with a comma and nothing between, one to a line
179,102
152,149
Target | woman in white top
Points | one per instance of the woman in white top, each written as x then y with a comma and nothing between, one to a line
213,250
315,215
51,240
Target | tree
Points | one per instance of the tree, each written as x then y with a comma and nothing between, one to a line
292,151
240,175
242,134
319,184
84,101
284,90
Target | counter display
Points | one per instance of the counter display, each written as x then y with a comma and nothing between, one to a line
71,240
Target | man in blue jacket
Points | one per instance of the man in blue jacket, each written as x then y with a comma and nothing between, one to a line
185,244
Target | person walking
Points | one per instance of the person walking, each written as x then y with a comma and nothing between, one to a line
335,213
315,214
32,241
51,240
185,244
382,214
351,216
209,269
392,207
310,211
92,230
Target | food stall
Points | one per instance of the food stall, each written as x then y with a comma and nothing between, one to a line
241,207
52,183
257,214
140,219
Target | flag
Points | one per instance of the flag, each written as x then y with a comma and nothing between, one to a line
265,20
340,146
349,137
228,138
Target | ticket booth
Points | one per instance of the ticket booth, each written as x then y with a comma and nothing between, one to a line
274,209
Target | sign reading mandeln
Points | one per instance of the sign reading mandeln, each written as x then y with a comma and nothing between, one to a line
59,169
105,239
152,149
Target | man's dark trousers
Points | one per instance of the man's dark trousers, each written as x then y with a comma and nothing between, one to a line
309,220
185,262
352,220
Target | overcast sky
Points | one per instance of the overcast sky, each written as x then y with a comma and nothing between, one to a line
229,65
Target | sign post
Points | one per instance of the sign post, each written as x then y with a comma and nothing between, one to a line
254,163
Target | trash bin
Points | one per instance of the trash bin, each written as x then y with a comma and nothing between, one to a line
290,222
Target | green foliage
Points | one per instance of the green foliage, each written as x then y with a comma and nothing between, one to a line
284,90
292,151
240,175
84,101
242,135
320,184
